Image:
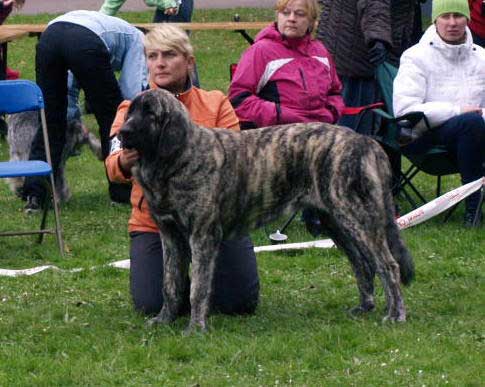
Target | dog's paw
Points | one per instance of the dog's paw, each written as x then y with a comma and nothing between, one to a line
152,322
395,313
163,318
196,327
394,318
362,309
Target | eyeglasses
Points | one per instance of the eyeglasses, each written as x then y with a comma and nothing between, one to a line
299,13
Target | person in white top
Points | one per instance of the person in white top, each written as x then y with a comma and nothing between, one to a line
444,77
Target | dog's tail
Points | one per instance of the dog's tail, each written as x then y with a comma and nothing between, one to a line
396,245
95,145
400,253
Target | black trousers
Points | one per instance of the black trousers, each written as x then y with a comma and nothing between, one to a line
62,47
236,281
464,137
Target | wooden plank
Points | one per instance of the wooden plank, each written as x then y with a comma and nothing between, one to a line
37,29
7,35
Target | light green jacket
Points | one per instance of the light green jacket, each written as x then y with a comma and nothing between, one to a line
111,7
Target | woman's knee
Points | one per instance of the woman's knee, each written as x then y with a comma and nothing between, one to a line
148,306
146,271
472,124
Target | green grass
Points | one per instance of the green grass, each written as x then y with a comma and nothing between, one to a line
59,328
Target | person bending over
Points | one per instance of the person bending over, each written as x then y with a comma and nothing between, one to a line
91,46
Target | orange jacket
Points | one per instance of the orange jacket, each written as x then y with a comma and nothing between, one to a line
210,109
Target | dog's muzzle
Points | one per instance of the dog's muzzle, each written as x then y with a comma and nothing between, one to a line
126,137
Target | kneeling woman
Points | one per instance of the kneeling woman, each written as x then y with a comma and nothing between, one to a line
236,284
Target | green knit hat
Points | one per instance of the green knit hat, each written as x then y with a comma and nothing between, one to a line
450,6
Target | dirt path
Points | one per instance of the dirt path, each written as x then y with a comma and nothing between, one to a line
44,6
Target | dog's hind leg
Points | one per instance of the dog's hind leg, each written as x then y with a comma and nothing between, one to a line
368,252
364,269
176,260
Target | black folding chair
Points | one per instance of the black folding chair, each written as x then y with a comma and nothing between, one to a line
397,131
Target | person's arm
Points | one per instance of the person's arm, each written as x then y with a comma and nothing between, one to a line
409,93
227,117
111,7
118,161
375,24
243,91
6,4
5,10
134,71
162,4
335,101
73,110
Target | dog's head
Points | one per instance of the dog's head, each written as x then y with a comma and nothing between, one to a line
156,125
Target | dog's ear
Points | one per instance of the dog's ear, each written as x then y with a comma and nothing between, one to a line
173,123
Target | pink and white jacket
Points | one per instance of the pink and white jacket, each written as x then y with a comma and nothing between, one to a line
280,81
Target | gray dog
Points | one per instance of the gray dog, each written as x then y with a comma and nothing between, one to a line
204,185
21,130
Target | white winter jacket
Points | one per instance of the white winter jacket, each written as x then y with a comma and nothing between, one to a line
438,79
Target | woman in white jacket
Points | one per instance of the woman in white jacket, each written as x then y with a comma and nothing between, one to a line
444,77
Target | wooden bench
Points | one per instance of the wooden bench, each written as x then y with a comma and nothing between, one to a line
10,32
37,29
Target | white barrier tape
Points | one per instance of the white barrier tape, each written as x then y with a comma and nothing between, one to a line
440,204
419,215
125,263
34,270
321,244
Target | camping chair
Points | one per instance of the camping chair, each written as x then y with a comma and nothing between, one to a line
395,131
19,96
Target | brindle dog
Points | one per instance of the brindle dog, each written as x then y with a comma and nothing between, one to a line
205,185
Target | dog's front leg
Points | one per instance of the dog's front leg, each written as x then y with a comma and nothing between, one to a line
176,258
205,249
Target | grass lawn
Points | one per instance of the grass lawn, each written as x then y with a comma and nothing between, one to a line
59,328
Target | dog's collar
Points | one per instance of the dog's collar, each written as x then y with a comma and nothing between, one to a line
187,88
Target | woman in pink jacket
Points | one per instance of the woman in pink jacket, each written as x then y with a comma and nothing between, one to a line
286,76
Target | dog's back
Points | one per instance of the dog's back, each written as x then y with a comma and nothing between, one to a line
278,167
283,168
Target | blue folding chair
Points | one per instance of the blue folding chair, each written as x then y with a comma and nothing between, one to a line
15,97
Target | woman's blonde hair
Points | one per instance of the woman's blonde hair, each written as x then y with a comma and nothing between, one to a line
168,37
311,7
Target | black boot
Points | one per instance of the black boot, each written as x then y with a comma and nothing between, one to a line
472,218
473,211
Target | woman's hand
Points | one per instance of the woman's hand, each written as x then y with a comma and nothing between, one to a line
7,3
171,11
471,109
128,158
